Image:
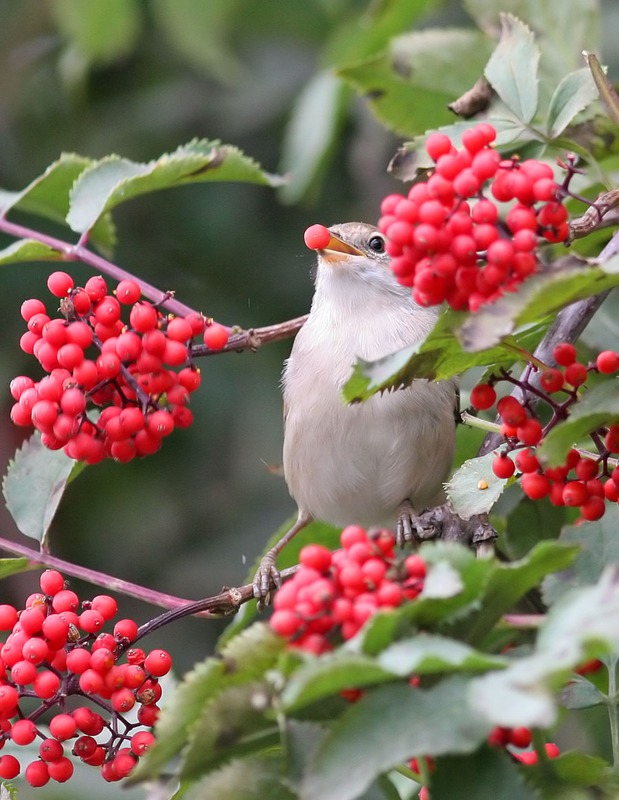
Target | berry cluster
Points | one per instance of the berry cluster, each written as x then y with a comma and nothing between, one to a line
55,657
445,237
584,480
139,372
334,593
520,738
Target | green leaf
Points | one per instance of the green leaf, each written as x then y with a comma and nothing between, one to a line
310,133
425,654
474,488
410,84
507,583
48,196
596,407
29,250
598,546
201,33
34,484
576,628
574,93
13,566
580,693
386,727
512,68
232,725
102,30
487,774
440,356
538,297
330,674
243,660
113,180
252,778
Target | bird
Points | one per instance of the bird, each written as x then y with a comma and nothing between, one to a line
366,463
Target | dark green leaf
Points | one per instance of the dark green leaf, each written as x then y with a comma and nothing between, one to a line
485,775
576,627
411,83
358,36
507,583
598,546
243,660
582,769
48,196
101,30
386,727
28,250
474,488
596,407
34,484
330,674
113,180
536,298
201,32
251,778
310,133
575,92
512,68
234,724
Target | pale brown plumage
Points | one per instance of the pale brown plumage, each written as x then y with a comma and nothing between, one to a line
361,463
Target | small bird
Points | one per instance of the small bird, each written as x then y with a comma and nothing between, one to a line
374,462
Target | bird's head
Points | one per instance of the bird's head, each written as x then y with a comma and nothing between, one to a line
352,259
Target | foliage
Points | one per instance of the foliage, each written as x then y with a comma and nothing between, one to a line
433,678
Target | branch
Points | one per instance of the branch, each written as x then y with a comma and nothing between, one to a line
253,338
224,604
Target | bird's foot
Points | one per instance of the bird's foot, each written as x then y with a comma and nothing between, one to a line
267,579
413,527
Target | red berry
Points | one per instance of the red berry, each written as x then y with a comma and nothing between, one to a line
576,374
317,237
9,767
483,396
128,292
23,731
551,380
158,663
216,336
437,145
60,284
503,467
593,509
564,354
607,362
37,773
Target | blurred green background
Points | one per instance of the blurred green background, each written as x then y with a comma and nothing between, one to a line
149,76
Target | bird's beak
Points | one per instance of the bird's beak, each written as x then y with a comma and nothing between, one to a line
338,250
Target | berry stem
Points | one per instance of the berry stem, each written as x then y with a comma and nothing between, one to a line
476,422
253,338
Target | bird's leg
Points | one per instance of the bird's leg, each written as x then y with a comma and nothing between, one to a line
267,576
404,532
410,527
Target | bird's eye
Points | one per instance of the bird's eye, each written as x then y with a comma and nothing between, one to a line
377,244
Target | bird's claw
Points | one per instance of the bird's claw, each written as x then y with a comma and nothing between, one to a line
412,527
267,579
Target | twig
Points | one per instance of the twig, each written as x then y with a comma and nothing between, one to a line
253,338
